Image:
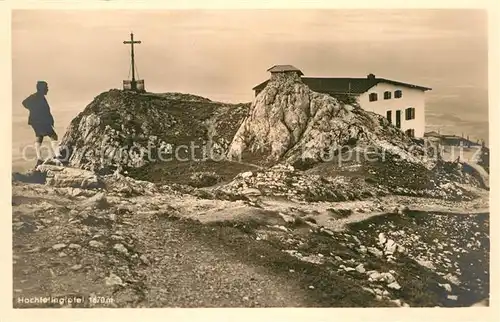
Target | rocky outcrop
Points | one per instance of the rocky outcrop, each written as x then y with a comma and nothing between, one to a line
121,129
288,121
284,181
80,182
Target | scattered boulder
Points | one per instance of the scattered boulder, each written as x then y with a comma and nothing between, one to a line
144,259
287,218
452,278
58,176
402,210
113,280
76,267
246,175
97,201
58,246
446,286
121,249
360,268
390,247
127,186
251,192
394,285
95,244
375,251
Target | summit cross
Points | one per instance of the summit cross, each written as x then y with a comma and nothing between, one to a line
131,42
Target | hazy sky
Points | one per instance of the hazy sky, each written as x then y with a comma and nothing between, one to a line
223,54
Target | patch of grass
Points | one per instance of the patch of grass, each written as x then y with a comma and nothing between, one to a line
180,171
204,179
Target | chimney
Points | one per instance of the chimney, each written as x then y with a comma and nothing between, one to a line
370,76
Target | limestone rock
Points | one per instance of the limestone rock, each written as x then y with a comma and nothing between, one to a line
128,186
58,246
98,201
113,280
95,244
452,278
76,267
446,286
402,210
360,268
375,251
251,192
121,249
120,129
394,285
246,175
288,121
70,177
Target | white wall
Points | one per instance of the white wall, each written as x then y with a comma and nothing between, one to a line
411,98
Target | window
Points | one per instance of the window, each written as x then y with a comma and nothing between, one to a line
387,95
398,94
389,116
410,133
410,113
373,97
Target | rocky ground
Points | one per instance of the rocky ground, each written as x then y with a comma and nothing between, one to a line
120,242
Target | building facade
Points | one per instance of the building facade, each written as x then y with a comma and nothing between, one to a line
403,104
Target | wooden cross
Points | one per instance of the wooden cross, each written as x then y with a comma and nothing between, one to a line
132,42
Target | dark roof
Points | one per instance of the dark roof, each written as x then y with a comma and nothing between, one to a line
432,133
345,85
340,85
284,68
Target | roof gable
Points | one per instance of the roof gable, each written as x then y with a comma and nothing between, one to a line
398,83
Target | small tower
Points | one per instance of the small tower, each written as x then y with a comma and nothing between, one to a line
277,70
133,84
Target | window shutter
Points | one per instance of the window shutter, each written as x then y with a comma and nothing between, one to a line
410,113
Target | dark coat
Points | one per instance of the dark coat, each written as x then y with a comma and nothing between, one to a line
39,110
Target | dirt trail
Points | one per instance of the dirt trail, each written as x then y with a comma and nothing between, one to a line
485,176
167,262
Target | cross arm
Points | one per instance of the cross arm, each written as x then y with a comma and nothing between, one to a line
132,42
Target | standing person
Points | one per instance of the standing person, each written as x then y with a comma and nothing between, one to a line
41,121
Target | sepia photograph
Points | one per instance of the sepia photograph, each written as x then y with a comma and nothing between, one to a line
250,158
